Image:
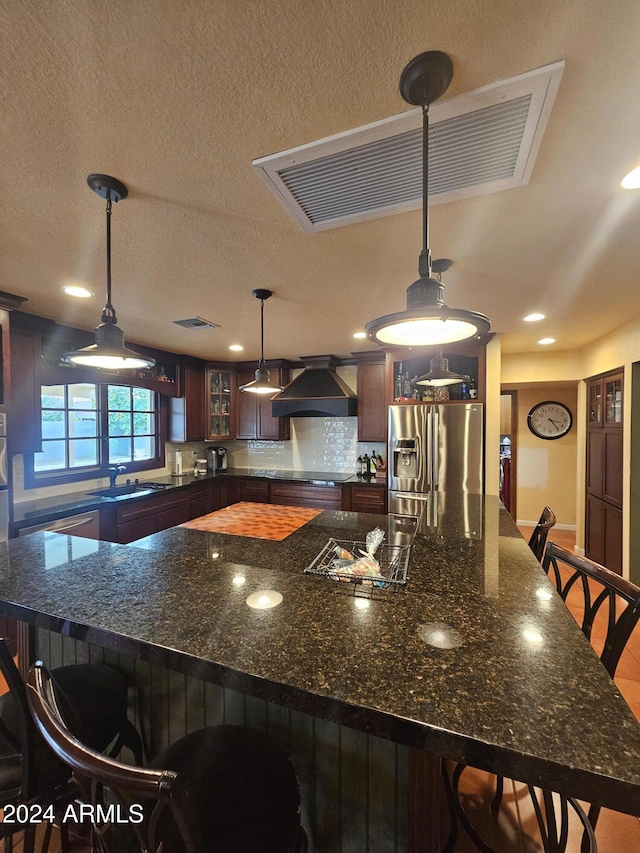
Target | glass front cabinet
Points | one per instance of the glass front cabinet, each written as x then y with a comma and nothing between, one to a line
219,402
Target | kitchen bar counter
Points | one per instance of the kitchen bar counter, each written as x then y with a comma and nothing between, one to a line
519,692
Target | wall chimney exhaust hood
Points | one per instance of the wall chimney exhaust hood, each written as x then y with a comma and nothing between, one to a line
318,392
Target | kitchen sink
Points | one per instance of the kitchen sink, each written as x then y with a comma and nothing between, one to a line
118,491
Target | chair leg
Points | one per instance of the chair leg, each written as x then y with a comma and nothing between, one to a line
453,797
594,814
554,829
132,740
496,802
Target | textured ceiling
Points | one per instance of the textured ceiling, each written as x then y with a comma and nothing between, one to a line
177,97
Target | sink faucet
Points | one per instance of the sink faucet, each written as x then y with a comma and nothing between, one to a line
113,473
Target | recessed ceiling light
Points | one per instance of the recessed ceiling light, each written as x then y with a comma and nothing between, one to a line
236,347
360,335
533,318
547,341
77,290
632,180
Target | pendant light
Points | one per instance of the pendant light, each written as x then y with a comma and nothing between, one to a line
427,320
439,374
109,350
262,384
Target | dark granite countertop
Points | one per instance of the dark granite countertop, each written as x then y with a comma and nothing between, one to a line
44,510
522,694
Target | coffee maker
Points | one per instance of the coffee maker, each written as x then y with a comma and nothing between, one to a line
217,459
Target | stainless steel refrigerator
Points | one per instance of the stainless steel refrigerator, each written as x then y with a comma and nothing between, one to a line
436,447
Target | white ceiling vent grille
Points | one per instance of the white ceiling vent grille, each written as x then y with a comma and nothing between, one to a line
479,142
196,323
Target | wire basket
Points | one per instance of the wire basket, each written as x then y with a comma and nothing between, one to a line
393,561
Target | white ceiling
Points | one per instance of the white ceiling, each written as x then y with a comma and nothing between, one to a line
177,97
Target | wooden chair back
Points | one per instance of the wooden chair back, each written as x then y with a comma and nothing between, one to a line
152,797
538,539
592,590
24,745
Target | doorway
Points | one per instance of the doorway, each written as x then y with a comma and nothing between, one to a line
508,449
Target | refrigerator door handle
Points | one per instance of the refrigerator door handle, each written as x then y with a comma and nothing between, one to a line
435,447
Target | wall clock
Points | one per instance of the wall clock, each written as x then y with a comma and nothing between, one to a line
549,420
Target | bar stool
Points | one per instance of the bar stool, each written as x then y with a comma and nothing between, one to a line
29,771
596,590
223,787
591,589
538,539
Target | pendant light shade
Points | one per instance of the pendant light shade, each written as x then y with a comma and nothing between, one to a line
109,351
427,320
262,384
439,374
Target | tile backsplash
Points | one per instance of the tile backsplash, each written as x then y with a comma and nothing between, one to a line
317,444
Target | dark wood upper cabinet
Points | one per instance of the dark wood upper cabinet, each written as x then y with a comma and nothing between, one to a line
253,411
372,402
24,425
187,415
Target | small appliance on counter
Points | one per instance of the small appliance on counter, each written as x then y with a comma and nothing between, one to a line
201,467
177,464
217,459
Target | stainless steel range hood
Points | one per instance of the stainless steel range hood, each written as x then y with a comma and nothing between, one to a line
318,392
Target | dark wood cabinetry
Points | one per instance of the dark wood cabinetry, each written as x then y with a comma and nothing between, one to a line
187,414
199,499
306,494
256,491
132,520
220,396
372,398
365,498
603,522
23,415
253,411
221,494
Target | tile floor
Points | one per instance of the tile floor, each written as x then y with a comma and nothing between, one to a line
515,831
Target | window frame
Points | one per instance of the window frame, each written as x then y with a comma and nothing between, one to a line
33,479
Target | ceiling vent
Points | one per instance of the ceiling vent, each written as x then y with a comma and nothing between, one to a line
479,142
196,323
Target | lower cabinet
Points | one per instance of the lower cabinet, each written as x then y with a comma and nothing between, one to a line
130,520
149,515
199,499
220,494
361,498
304,494
255,491
604,533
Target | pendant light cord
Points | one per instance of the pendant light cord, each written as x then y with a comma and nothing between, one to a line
108,313
262,333
424,264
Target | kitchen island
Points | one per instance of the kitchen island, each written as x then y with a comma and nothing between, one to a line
518,690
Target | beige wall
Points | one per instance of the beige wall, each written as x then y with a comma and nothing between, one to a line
546,469
521,372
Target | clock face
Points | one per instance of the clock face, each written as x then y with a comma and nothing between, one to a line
549,420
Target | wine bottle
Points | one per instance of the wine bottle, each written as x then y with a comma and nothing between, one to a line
473,389
398,390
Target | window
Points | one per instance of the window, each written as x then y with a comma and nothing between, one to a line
87,428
